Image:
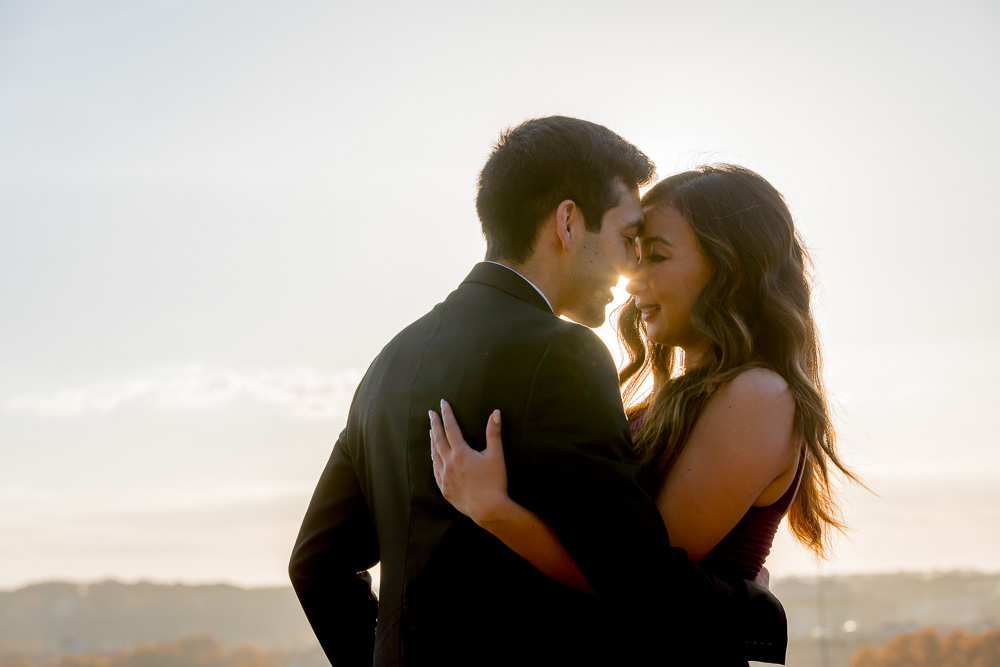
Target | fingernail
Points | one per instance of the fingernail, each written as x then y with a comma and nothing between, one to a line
430,415
443,403
496,416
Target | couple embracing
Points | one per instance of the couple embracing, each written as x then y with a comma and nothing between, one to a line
561,528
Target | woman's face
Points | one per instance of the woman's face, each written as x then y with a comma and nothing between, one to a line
672,273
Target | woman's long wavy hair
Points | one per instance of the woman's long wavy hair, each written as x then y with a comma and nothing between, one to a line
755,312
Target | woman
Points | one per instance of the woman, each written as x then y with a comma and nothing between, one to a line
735,430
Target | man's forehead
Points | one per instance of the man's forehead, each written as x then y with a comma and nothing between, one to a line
631,210
632,224
627,213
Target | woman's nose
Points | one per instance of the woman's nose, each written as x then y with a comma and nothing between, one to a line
636,284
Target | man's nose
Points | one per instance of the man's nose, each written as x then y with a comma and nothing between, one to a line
630,267
636,279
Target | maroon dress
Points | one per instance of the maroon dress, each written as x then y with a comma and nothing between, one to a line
743,550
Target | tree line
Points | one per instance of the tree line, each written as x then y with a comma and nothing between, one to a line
929,648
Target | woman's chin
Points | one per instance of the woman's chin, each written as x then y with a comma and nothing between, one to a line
655,335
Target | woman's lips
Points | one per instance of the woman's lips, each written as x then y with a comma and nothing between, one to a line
647,311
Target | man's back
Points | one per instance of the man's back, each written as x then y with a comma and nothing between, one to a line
449,588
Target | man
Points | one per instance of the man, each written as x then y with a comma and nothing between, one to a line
559,206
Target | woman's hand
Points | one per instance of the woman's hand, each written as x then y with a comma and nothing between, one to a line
475,483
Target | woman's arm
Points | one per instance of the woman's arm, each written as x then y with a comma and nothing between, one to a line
475,483
742,452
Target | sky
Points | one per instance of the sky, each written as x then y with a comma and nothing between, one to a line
214,214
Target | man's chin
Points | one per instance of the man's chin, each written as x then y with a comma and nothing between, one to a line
588,319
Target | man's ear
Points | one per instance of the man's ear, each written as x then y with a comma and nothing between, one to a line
569,224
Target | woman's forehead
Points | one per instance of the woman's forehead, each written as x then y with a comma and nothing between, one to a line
666,223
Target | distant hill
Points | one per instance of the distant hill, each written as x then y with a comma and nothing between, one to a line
110,615
832,616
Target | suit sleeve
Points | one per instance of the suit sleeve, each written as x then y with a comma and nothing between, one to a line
577,471
336,545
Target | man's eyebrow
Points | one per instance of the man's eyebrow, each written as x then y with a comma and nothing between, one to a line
633,226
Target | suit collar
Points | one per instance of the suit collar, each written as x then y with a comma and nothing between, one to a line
507,280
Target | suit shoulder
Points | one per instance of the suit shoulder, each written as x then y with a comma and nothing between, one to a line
578,360
576,339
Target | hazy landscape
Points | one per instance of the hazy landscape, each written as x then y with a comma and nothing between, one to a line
111,623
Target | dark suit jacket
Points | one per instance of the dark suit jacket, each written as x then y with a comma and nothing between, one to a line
450,592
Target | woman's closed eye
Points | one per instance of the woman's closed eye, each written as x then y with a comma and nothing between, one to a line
651,256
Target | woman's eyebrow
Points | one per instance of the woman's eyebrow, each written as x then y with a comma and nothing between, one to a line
657,239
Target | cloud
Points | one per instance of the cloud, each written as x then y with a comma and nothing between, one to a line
299,392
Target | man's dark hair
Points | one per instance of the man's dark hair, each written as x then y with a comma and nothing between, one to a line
542,162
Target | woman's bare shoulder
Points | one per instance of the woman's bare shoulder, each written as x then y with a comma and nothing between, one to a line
757,384
754,412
